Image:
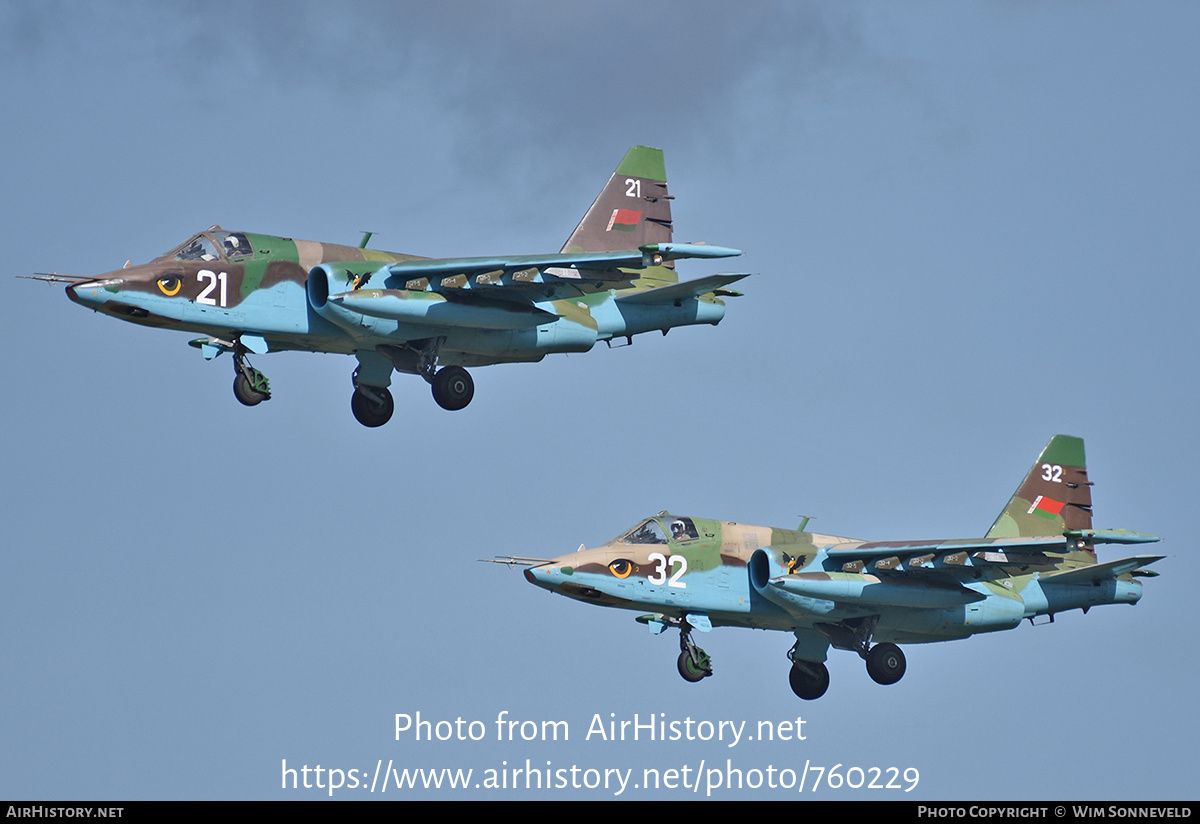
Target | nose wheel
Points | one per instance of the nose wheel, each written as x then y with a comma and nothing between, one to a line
250,386
694,663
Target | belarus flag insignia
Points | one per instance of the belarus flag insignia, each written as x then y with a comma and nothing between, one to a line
623,220
1046,507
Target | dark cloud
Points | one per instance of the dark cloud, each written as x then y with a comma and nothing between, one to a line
587,75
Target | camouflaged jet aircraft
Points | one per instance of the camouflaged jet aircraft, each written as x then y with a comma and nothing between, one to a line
613,279
1038,559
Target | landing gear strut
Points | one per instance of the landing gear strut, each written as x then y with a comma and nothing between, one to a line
249,385
885,661
694,663
452,385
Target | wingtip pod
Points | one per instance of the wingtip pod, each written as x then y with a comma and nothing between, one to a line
1111,536
655,253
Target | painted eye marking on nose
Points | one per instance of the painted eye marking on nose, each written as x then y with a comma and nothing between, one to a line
621,568
170,285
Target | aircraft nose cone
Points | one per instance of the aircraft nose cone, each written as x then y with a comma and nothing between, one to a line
88,293
543,577
73,295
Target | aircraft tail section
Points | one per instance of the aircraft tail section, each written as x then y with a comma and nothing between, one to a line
632,210
1055,495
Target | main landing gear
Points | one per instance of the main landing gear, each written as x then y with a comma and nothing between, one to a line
885,662
372,405
808,679
694,663
452,387
249,385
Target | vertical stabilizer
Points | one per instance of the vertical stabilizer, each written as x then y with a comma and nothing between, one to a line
1054,496
632,209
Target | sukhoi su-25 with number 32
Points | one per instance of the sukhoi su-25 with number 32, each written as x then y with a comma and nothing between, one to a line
246,293
1038,559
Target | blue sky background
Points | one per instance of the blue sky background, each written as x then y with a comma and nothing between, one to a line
973,226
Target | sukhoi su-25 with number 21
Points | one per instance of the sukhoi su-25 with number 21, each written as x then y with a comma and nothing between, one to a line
247,293
1038,559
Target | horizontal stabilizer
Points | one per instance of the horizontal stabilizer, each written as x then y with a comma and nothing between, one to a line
1100,572
681,291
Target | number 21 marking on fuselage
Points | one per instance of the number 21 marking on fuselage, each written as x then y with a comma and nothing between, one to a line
213,279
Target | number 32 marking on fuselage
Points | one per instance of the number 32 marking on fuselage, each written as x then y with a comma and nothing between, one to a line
660,570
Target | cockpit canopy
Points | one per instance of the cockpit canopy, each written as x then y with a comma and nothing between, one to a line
655,530
215,244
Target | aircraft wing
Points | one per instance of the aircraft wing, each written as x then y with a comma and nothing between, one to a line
1023,550
598,265
884,549
681,291
1052,543
1101,572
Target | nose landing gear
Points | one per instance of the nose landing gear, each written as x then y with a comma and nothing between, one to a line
694,663
250,386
